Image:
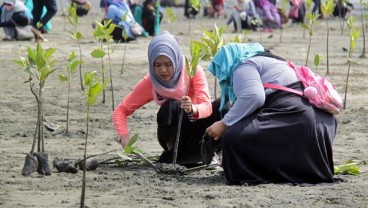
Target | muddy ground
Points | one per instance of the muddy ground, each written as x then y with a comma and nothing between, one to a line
138,185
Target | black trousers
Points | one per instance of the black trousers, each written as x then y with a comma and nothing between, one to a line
38,5
191,132
285,141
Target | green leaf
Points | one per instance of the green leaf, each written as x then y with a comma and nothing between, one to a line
63,78
133,140
78,35
98,53
124,157
74,65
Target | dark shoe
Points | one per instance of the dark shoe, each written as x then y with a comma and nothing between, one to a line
65,166
30,165
91,164
43,163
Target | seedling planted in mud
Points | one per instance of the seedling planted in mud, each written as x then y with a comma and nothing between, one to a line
211,44
103,33
196,53
93,88
354,35
363,16
125,36
38,65
72,65
327,9
76,35
312,20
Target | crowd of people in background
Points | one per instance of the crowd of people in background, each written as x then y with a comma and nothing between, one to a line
143,17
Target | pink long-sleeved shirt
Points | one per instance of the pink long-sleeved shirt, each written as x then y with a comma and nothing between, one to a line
142,94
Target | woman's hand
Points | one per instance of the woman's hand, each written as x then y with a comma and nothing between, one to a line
187,106
216,130
124,140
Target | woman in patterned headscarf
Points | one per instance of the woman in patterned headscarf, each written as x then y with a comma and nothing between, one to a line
167,84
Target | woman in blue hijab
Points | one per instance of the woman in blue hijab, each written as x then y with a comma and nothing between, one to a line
269,136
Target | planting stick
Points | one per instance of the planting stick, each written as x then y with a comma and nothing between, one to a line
176,147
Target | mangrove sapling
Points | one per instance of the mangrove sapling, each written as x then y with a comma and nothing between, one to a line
125,36
170,16
93,88
100,53
103,32
38,65
72,65
354,35
211,42
131,148
308,5
327,9
312,20
76,35
196,51
364,5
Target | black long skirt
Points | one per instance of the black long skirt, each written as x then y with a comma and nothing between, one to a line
191,132
286,141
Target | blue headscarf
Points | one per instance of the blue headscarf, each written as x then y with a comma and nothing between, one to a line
226,61
165,44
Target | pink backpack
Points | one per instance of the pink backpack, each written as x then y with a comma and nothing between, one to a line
318,90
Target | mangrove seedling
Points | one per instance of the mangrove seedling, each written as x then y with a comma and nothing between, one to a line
38,65
308,5
196,53
354,35
327,9
99,53
363,16
103,33
76,35
72,65
125,36
93,88
211,44
312,19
